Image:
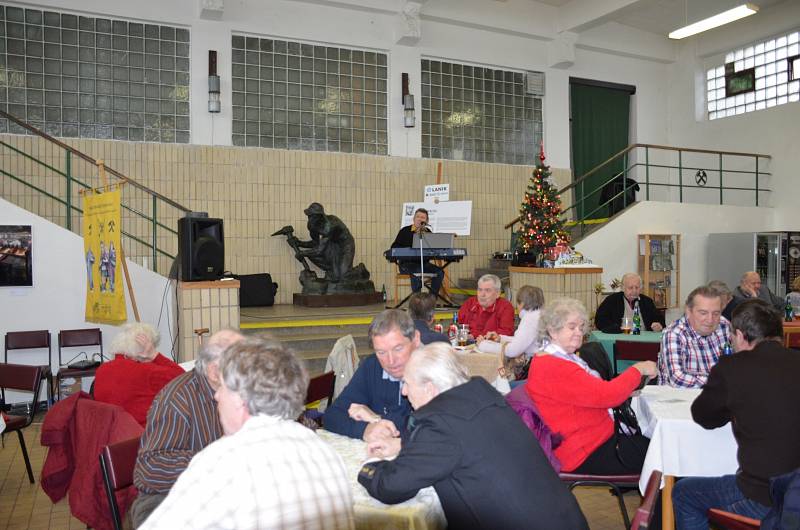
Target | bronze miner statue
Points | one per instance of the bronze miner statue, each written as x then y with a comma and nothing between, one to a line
332,249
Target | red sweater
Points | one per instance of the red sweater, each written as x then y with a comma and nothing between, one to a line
497,317
133,385
575,404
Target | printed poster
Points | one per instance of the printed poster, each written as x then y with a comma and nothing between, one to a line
105,294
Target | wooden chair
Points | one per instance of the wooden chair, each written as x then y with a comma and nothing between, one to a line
731,521
116,463
76,338
27,379
615,482
628,350
644,514
791,337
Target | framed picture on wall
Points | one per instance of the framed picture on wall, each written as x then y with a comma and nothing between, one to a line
15,256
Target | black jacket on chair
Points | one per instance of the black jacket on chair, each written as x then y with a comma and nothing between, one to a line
610,312
486,466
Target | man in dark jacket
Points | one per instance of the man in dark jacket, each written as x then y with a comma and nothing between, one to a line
465,441
405,238
420,309
609,314
756,390
371,405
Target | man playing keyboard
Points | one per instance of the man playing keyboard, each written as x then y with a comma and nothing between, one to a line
405,238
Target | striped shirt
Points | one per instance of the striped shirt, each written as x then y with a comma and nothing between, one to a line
182,421
686,357
271,474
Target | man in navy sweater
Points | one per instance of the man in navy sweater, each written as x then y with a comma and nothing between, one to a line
372,405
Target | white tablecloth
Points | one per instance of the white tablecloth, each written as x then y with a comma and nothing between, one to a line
678,446
423,512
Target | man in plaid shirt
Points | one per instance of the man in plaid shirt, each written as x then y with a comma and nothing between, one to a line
692,344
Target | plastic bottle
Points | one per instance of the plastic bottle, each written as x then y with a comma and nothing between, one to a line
452,331
637,319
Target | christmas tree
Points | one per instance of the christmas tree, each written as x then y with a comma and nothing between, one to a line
539,214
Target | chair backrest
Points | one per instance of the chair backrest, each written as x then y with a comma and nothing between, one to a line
23,340
628,350
117,462
321,387
644,514
22,377
73,338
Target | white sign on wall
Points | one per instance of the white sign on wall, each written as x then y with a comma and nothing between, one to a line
437,192
451,217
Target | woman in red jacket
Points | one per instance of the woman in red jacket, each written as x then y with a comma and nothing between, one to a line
576,402
137,373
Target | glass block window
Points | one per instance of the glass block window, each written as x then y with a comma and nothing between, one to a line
479,114
773,61
292,95
80,76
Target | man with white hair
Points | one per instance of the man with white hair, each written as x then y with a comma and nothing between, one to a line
268,471
486,311
137,373
750,286
621,304
182,421
464,440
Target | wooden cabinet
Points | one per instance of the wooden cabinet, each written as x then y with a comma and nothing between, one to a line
659,267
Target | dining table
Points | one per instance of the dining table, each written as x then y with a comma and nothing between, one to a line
607,340
423,512
679,447
479,363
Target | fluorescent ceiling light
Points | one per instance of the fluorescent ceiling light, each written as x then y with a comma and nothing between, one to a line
726,17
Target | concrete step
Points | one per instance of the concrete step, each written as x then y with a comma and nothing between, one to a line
298,327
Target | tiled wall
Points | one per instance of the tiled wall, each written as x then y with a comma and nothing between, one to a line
258,191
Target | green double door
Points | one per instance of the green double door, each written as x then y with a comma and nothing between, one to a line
600,114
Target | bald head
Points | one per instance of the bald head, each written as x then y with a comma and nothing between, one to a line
751,283
209,353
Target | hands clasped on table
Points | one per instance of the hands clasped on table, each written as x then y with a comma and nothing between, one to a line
378,427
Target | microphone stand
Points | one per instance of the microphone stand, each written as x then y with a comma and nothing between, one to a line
421,261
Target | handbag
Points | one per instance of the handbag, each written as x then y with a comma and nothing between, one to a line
513,368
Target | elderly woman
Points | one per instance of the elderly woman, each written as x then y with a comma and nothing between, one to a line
462,437
526,339
575,402
729,302
137,372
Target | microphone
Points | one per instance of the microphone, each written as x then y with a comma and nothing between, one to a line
424,227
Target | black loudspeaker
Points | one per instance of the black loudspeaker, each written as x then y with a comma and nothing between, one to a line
201,248
256,290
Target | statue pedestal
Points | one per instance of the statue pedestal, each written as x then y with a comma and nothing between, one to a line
336,300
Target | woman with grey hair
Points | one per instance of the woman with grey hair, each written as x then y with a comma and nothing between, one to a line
575,402
525,340
463,436
137,373
729,302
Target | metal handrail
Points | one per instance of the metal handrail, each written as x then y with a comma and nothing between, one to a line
579,182
67,202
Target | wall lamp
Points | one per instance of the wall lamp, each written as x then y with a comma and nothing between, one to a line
408,104
214,103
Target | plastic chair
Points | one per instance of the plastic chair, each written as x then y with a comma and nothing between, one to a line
615,482
628,350
644,514
76,338
116,463
321,387
30,340
28,379
732,521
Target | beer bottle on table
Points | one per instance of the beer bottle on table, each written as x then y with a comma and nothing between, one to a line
788,311
637,319
452,332
726,348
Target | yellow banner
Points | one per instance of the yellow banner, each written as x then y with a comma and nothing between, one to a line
105,294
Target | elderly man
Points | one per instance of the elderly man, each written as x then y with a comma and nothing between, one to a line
405,238
487,311
618,305
484,479
268,471
756,391
750,286
692,345
420,309
371,406
182,421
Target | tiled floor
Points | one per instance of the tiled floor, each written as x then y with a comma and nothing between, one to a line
25,506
